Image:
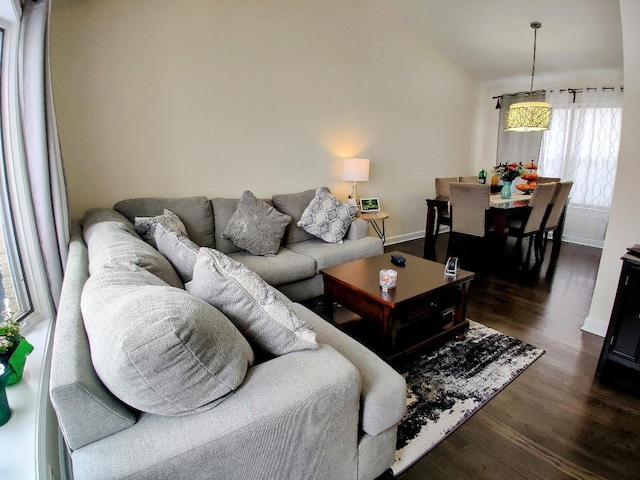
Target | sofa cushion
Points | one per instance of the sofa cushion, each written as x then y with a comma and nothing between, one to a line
256,226
179,250
157,348
329,254
285,267
294,204
250,303
195,213
327,218
112,242
146,226
95,216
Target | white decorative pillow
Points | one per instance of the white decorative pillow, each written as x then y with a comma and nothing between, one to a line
327,218
179,250
251,304
256,226
146,226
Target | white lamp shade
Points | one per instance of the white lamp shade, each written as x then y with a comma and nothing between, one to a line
528,117
355,170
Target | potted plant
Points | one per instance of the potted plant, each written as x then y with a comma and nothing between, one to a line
14,348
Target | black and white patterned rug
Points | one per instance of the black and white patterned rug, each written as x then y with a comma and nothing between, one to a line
448,385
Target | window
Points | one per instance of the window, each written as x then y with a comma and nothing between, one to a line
13,289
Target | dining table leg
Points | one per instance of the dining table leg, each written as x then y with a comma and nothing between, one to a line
429,233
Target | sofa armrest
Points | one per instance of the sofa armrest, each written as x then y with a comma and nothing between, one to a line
304,403
86,410
359,229
384,391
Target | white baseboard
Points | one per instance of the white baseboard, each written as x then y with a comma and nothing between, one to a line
404,238
595,326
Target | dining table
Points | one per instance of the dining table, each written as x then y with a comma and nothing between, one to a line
499,212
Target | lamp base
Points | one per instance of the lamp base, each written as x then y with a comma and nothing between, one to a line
355,195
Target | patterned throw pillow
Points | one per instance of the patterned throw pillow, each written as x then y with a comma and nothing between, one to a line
327,218
256,226
146,226
251,304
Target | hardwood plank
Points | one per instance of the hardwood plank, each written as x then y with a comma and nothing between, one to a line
557,420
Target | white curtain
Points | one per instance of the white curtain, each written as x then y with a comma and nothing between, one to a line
42,148
582,145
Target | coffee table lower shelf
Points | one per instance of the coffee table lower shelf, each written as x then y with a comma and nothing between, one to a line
422,333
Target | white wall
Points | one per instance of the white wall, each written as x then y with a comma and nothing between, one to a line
165,97
624,227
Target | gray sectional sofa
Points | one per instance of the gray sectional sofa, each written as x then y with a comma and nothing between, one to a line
326,412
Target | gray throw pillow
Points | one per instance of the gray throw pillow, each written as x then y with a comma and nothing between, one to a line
256,226
250,303
179,250
157,348
327,218
145,226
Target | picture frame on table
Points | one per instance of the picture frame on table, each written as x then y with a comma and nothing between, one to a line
369,205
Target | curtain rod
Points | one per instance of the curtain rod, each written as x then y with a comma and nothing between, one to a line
570,90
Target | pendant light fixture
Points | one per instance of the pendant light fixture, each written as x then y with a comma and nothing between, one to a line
529,116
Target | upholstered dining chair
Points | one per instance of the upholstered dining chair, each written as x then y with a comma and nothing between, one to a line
469,179
559,202
442,191
540,180
533,226
468,205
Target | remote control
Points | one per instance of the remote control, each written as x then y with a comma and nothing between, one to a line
398,260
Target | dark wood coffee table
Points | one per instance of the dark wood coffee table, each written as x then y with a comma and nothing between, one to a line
424,309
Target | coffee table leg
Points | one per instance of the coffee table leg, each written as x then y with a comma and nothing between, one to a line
327,301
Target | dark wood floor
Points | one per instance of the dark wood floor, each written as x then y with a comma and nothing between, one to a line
556,420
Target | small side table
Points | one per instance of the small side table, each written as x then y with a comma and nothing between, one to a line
372,218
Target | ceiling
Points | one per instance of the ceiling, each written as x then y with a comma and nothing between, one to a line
493,40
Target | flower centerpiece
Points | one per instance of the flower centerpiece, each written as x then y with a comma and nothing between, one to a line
508,172
14,348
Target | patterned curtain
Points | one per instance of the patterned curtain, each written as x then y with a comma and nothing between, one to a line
582,145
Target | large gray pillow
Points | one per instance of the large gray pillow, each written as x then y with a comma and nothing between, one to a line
327,218
250,303
294,204
256,226
178,249
111,242
157,348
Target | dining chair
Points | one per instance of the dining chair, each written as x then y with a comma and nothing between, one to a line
541,180
533,225
556,217
468,205
469,179
442,191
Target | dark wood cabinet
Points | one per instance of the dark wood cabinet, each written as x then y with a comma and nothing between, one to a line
622,344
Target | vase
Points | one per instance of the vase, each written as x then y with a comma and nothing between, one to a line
5,411
17,360
505,191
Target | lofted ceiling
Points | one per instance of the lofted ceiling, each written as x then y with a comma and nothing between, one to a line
493,40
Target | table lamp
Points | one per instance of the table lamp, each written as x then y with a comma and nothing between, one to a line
355,170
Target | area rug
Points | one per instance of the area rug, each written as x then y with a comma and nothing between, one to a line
446,386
